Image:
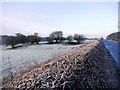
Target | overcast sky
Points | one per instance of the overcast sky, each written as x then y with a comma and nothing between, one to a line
92,19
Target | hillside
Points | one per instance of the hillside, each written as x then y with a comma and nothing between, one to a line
114,36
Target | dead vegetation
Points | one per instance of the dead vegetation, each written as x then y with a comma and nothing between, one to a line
81,68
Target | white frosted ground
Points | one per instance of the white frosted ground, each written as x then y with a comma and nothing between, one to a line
29,55
34,54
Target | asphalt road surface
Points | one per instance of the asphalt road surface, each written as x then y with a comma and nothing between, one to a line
114,49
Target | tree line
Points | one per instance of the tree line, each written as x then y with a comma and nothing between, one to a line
54,37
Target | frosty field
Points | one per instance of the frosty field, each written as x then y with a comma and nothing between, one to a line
19,59
32,55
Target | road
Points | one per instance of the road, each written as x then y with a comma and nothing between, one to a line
114,49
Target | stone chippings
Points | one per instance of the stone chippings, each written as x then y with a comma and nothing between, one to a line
80,68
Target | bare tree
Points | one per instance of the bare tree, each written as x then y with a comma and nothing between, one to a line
57,36
21,38
70,38
79,38
12,40
34,38
50,39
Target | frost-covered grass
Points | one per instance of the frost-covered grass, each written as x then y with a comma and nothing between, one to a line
31,55
20,58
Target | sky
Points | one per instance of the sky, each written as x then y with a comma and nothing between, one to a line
92,19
